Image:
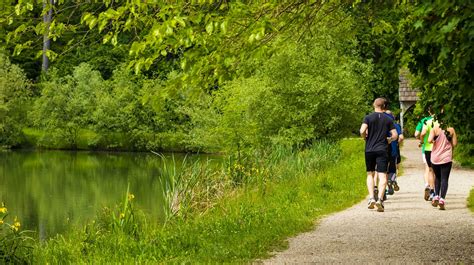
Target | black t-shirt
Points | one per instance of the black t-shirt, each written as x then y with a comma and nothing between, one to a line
379,125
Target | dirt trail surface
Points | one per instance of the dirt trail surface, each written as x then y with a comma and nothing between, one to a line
409,231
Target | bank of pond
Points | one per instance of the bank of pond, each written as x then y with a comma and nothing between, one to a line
138,207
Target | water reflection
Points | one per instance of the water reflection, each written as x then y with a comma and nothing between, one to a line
51,190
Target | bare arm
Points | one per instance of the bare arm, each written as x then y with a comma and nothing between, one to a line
393,135
400,138
423,133
363,130
432,135
417,134
454,141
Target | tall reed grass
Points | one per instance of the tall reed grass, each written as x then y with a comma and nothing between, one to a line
235,212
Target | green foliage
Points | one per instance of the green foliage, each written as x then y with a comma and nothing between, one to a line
15,244
464,153
15,95
438,35
305,92
470,201
66,104
302,187
379,42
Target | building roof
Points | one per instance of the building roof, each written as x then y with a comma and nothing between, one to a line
405,91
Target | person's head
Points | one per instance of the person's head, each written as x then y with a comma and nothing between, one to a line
430,110
380,104
390,114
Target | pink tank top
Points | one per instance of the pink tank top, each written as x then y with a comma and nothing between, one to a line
442,152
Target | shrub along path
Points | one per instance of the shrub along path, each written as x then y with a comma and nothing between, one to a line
410,230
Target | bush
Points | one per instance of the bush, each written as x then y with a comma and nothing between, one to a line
66,105
305,92
15,94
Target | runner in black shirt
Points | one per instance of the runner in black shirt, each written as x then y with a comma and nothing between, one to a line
374,130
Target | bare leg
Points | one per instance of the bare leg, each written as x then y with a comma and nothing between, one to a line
370,183
431,178
382,184
427,175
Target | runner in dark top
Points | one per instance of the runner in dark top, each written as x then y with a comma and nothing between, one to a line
374,130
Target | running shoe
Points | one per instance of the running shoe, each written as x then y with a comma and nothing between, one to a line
435,201
371,204
395,186
427,193
380,207
390,188
441,204
431,196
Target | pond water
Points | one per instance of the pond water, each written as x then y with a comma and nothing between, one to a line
50,191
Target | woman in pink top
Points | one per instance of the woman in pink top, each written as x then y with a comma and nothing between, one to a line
444,142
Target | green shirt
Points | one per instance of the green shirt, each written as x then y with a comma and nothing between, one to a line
430,124
419,128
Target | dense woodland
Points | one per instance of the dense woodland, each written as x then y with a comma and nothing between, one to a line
213,75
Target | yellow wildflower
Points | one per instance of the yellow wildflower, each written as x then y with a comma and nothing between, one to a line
131,196
16,225
122,215
3,209
1,222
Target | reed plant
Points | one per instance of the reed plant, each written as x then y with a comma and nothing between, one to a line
212,218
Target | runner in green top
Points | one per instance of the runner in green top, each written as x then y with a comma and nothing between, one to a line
428,174
425,132
419,128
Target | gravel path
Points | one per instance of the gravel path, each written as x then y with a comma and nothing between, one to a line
409,231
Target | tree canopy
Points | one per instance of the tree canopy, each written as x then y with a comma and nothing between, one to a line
190,74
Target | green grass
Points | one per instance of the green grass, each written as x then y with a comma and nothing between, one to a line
245,223
470,201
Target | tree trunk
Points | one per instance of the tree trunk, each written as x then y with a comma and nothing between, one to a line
46,41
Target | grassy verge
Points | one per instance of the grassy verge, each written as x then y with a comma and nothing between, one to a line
245,223
470,201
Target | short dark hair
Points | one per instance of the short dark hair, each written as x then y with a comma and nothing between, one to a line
381,103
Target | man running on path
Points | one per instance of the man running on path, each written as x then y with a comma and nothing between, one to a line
374,130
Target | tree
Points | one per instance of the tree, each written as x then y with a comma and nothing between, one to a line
439,38
15,94
66,104
307,91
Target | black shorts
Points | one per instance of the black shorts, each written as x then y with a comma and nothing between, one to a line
379,159
428,158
